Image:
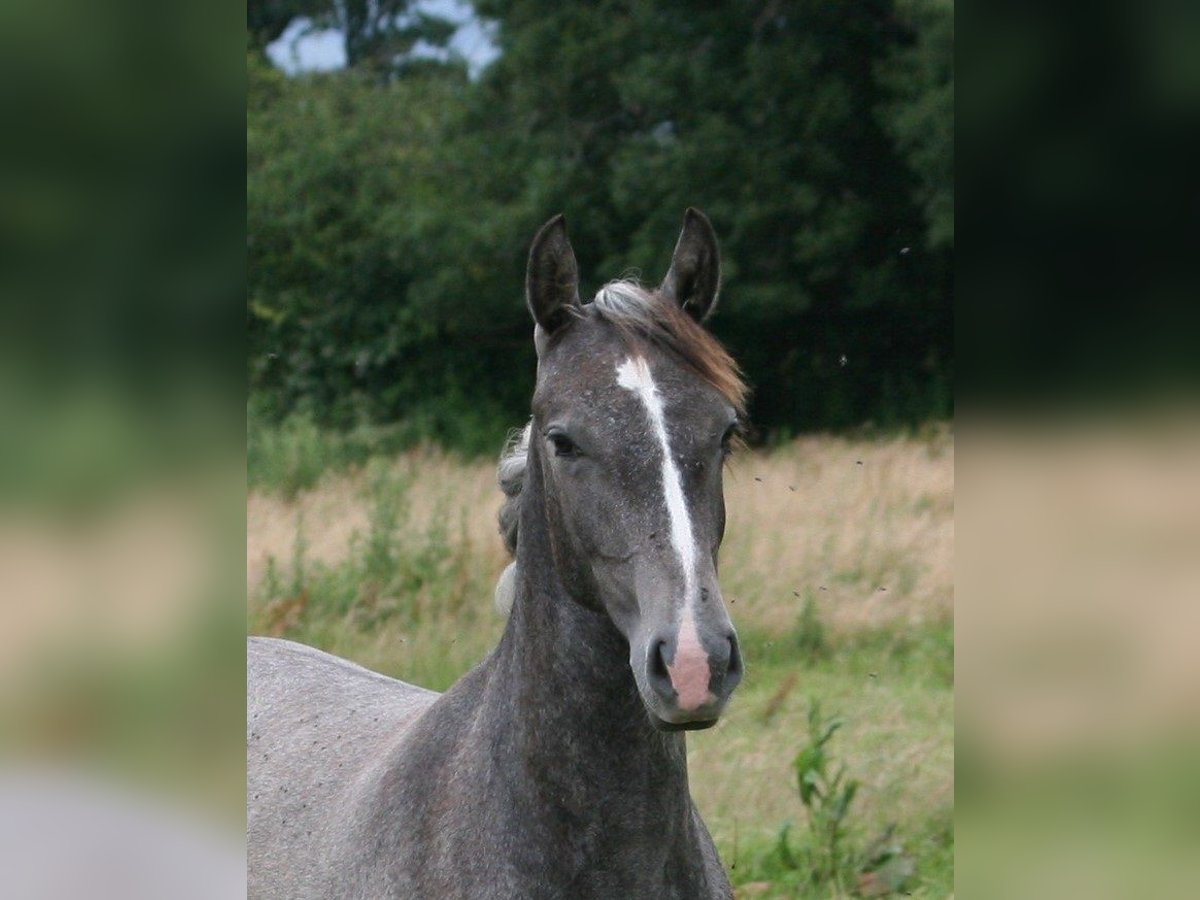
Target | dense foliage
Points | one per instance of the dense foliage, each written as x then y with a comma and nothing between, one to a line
390,206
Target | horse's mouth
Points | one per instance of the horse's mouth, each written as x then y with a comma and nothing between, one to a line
667,715
695,725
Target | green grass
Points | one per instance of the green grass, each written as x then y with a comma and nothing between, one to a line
893,694
773,845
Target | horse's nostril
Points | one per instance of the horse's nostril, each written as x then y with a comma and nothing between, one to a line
658,665
735,657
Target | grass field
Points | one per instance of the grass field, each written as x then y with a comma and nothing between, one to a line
837,567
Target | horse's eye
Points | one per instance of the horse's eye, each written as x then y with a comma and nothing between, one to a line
728,438
563,445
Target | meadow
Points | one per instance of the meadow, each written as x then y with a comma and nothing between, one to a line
831,773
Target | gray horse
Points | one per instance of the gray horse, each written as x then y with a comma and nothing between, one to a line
557,767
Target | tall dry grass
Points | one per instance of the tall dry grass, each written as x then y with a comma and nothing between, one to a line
864,528
340,506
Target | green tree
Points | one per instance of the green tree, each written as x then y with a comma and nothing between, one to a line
389,217
266,20
767,115
379,35
380,288
920,118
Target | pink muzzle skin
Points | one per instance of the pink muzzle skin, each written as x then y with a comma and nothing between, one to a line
689,671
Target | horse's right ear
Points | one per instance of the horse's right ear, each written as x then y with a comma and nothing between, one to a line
695,274
552,277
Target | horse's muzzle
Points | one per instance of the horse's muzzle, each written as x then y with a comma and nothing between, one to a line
691,677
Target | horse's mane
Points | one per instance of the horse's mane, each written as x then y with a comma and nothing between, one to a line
642,316
511,477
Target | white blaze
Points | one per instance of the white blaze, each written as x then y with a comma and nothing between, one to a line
689,673
634,375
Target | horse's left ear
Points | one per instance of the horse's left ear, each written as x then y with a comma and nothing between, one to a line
695,274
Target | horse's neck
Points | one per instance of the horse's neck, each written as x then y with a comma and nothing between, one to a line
578,725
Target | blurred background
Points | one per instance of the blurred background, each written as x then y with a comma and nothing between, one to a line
121,449
1077,576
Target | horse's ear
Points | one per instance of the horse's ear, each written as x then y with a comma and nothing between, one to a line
695,274
552,278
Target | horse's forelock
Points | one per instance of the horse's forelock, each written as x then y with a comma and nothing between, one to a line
650,316
640,314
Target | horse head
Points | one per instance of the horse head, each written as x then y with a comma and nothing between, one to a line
634,412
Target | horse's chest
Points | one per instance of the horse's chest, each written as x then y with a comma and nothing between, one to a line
590,863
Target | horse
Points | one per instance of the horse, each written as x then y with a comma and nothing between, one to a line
557,767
